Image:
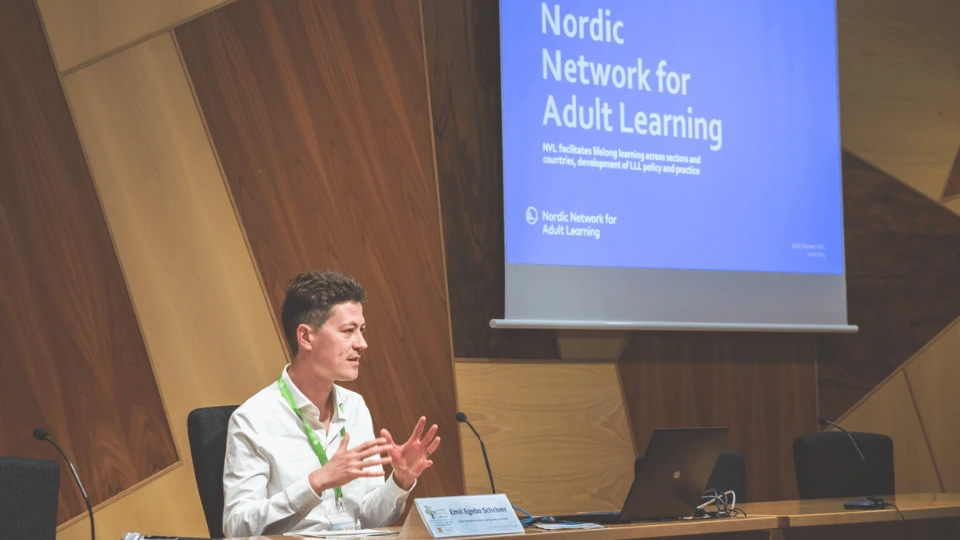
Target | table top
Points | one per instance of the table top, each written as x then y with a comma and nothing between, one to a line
662,529
625,531
831,511
760,516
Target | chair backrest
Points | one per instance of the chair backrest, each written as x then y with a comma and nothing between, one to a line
730,474
28,498
828,466
207,429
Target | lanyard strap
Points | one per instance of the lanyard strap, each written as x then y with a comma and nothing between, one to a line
311,435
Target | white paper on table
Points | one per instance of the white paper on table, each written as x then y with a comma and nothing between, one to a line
345,534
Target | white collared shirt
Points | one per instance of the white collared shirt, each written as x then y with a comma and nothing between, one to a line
268,459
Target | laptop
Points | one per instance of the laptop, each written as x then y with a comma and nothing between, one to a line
668,480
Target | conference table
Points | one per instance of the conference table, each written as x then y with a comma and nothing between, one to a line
920,516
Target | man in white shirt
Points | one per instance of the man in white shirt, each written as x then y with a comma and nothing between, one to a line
301,453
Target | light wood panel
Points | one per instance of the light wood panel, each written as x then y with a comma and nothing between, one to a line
557,435
71,355
934,376
82,30
319,113
462,43
763,386
205,319
890,410
899,84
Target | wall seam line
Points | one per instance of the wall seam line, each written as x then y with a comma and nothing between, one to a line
138,41
443,245
923,430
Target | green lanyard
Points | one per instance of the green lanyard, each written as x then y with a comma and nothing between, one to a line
311,435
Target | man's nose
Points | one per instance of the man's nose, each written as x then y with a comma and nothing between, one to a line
362,344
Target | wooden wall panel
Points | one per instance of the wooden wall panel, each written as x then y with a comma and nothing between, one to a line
463,60
591,344
953,205
71,355
83,30
557,436
899,83
934,376
952,189
319,112
763,386
206,320
903,283
890,410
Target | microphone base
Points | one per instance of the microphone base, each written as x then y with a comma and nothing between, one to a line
866,503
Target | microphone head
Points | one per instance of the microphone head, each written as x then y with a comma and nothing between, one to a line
40,433
822,420
461,417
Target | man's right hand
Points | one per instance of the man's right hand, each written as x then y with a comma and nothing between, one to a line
347,465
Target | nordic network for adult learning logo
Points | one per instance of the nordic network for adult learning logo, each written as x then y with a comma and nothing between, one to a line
532,215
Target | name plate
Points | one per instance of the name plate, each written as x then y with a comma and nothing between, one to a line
468,515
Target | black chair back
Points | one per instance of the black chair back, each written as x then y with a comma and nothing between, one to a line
28,498
828,466
730,474
207,429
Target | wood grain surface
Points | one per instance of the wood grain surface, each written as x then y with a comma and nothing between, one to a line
763,386
952,189
933,376
899,83
71,355
319,112
953,205
740,528
206,321
83,30
557,435
813,512
903,283
463,61
890,410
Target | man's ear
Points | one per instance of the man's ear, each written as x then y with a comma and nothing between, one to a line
305,337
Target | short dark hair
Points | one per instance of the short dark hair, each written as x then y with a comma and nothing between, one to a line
311,297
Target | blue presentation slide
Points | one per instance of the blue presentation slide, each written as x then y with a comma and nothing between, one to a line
675,134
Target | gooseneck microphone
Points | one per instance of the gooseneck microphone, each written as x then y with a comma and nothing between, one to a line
41,435
823,421
463,419
866,502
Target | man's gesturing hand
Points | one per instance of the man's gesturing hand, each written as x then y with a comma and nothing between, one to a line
411,458
348,465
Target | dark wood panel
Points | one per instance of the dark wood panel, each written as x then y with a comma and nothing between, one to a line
71,355
319,113
928,529
763,386
952,189
463,59
903,282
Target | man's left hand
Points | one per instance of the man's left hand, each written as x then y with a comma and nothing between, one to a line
411,458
